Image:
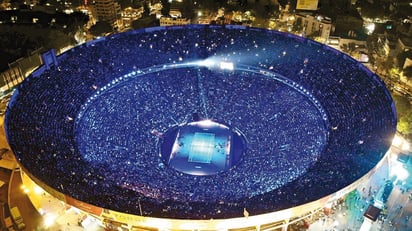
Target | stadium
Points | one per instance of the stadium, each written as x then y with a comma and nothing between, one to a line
200,127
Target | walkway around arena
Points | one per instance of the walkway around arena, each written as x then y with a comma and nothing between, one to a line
17,198
396,217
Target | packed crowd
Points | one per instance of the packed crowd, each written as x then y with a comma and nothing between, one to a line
315,120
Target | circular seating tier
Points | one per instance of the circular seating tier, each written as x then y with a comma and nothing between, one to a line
315,120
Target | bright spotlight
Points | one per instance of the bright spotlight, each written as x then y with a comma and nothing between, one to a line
206,123
400,172
41,211
207,63
213,63
38,190
396,140
370,28
401,143
226,66
49,220
406,146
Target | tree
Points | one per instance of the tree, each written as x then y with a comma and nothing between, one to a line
402,105
146,11
210,5
129,3
298,25
188,9
165,7
405,124
395,74
373,10
351,47
401,57
407,72
404,111
57,39
20,40
75,21
101,28
315,35
149,21
385,65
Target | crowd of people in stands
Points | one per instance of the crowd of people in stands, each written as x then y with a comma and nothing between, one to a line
321,124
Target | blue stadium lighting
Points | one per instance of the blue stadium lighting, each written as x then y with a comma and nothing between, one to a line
250,118
226,66
202,148
215,62
208,124
209,63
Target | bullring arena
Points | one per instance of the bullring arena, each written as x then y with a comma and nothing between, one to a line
200,127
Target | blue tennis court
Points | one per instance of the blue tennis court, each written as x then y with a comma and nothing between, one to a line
201,148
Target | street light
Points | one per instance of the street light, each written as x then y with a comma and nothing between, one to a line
49,220
400,142
400,172
405,146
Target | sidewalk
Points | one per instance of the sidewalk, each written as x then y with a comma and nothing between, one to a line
54,214
394,217
18,198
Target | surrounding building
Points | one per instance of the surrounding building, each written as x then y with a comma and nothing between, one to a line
131,14
109,11
404,44
315,25
169,21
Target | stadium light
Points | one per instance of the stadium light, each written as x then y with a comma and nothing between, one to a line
207,63
396,140
206,123
24,188
226,66
49,220
41,211
370,28
38,190
406,146
213,63
401,143
400,172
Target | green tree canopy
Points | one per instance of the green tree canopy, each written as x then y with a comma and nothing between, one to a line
148,21
188,9
146,9
376,9
401,57
298,25
405,124
404,111
402,105
19,40
408,72
101,28
165,7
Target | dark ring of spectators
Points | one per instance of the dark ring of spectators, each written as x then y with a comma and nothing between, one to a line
325,125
